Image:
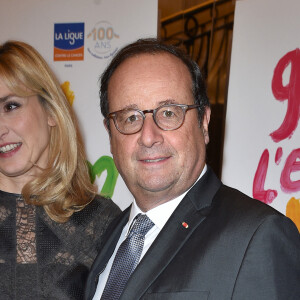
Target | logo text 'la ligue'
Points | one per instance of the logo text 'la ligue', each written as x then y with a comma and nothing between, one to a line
68,41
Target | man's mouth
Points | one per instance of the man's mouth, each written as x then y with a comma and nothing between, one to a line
9,147
154,160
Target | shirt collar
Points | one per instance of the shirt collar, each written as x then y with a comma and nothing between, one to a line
159,215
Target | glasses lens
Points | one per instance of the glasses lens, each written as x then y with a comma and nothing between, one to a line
169,117
128,121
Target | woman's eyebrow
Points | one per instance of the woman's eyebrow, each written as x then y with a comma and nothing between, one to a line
5,98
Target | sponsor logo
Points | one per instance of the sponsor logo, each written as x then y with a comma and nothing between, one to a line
102,40
68,41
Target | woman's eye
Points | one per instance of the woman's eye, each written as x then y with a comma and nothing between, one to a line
11,106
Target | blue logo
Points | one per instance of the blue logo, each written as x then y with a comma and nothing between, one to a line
68,41
69,36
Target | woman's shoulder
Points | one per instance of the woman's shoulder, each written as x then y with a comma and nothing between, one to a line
100,208
103,204
86,225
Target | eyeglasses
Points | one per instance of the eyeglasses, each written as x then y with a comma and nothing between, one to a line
166,117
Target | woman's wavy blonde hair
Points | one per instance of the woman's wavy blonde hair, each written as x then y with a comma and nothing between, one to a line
64,186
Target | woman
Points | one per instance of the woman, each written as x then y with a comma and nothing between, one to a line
50,229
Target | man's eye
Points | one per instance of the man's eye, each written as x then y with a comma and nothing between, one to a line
10,106
168,114
132,119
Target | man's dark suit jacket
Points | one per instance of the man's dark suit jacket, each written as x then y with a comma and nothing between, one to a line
233,248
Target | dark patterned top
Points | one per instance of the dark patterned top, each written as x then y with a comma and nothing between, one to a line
42,259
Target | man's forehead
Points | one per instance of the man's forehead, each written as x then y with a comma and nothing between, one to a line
133,62
161,74
149,67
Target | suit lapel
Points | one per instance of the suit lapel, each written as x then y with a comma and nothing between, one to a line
192,210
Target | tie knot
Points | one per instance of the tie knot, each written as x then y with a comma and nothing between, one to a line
141,225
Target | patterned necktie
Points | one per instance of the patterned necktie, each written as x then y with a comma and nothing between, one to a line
127,258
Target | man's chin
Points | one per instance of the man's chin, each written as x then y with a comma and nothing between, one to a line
156,185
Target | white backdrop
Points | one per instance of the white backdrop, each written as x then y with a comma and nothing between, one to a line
108,25
261,151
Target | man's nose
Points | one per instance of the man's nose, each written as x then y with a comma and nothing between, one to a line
150,133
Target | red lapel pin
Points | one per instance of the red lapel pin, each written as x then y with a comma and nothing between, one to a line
185,225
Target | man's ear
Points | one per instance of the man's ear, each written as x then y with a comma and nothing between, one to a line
106,125
205,123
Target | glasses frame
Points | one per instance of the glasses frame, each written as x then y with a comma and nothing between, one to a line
143,113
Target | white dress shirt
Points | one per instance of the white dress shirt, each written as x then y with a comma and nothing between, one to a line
159,215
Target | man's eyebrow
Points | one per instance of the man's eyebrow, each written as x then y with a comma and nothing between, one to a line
163,102
167,101
131,106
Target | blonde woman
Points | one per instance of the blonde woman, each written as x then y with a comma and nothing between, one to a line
51,220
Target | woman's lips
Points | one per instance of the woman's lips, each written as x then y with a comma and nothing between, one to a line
9,147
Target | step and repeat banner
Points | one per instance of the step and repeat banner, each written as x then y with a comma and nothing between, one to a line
78,39
262,138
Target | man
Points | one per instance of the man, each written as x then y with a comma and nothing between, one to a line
206,240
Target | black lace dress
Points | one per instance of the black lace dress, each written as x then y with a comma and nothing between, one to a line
42,259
